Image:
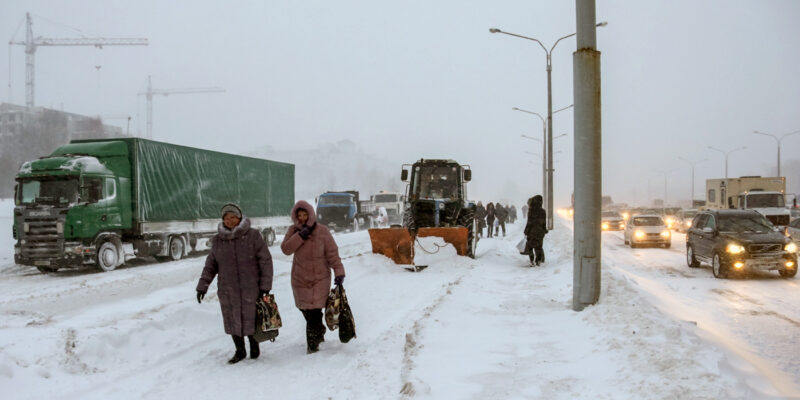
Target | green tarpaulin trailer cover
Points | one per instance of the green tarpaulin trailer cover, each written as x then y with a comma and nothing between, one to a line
179,183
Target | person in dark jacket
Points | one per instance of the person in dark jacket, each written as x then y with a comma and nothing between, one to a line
502,215
535,230
489,219
512,214
241,261
315,255
524,211
480,216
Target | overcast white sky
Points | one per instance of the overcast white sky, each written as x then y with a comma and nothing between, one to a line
416,79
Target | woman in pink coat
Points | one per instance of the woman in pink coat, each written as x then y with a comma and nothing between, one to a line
315,254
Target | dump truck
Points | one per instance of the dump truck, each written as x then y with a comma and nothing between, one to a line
393,203
104,202
341,210
436,205
766,195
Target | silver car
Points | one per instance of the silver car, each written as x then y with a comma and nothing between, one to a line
647,229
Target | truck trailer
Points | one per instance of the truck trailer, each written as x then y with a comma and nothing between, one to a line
107,201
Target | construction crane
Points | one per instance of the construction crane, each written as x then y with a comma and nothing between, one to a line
32,43
166,92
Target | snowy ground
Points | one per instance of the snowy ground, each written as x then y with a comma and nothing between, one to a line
485,328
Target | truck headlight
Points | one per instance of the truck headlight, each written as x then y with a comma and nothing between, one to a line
59,227
26,227
791,247
734,248
639,234
665,234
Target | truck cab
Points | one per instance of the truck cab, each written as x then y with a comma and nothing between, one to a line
393,203
766,195
66,201
339,210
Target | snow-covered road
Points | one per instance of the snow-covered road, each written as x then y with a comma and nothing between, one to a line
462,328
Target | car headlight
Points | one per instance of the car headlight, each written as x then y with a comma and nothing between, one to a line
665,234
688,224
605,225
734,248
639,234
791,247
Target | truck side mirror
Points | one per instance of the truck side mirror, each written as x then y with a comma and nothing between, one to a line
404,175
467,175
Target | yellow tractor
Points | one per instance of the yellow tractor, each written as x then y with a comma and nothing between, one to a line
436,205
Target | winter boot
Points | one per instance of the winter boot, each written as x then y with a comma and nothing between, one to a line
241,353
254,350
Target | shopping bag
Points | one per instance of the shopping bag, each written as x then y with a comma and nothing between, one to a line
338,314
268,319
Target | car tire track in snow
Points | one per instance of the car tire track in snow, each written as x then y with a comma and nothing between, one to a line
764,349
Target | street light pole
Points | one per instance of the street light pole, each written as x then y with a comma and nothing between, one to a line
692,163
726,154
779,140
547,150
549,154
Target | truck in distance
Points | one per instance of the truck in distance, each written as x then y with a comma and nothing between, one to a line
341,210
766,195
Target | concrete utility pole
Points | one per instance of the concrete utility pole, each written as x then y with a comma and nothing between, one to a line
779,140
588,186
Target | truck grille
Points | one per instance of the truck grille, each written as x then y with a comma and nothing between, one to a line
764,248
42,239
781,220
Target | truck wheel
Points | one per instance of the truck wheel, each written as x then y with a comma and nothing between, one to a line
269,236
719,269
175,248
788,273
691,261
472,239
107,256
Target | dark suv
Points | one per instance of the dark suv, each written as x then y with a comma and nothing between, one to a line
738,240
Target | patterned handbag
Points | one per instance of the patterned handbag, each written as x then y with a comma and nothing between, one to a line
268,319
339,315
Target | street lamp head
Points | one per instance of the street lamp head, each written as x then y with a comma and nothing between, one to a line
515,108
601,24
494,30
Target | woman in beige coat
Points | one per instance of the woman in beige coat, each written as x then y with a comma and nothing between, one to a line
315,254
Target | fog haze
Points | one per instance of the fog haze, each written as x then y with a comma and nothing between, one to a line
426,79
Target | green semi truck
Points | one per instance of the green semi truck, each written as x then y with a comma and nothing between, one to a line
107,201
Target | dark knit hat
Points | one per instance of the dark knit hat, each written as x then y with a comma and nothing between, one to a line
232,208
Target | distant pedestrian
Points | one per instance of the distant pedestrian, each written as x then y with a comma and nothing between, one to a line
489,219
315,254
502,215
480,216
241,259
524,211
512,214
535,230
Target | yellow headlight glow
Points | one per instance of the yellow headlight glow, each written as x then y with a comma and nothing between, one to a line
605,226
734,248
665,234
639,234
791,247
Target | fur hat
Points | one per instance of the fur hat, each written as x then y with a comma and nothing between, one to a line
232,208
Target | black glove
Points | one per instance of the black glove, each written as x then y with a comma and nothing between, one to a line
306,231
338,280
200,296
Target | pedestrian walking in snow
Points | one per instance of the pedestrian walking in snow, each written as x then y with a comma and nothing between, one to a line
480,216
241,261
489,219
524,211
512,214
501,213
535,230
315,254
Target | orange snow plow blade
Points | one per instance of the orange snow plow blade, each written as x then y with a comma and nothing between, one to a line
398,244
395,243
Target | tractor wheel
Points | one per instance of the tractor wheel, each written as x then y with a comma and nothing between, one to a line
466,218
